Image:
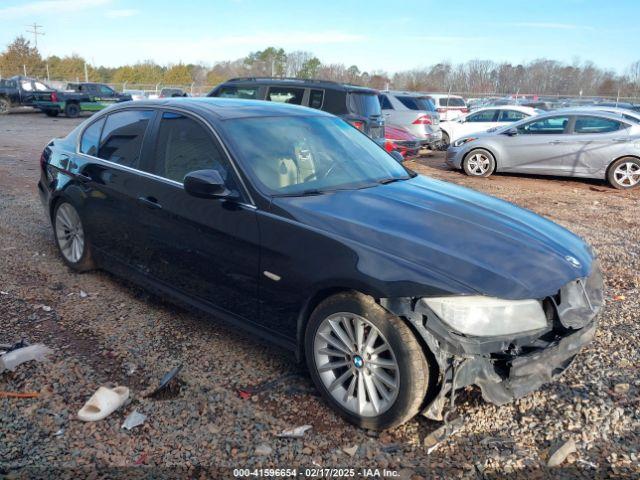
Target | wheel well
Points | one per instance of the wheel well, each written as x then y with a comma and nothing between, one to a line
309,306
52,207
606,173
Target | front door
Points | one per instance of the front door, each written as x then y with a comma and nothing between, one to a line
205,248
538,146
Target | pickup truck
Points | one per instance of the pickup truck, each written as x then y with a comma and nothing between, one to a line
21,92
28,92
81,97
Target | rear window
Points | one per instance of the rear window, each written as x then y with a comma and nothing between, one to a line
364,104
452,102
121,140
416,103
595,125
286,95
238,92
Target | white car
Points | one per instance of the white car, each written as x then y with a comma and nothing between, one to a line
449,107
482,120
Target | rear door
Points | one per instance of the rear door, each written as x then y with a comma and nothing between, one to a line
109,167
205,248
597,141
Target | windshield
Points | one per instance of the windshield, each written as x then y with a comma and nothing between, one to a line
365,104
309,155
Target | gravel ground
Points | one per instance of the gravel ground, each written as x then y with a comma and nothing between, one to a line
104,331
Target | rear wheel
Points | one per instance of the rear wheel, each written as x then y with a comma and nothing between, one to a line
479,163
5,105
72,110
71,238
624,173
366,362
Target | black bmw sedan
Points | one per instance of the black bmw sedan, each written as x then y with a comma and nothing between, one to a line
397,289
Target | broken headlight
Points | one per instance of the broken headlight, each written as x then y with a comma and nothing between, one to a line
488,317
462,141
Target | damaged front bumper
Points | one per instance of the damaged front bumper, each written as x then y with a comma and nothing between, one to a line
507,368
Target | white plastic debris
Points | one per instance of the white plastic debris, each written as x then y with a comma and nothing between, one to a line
351,451
46,308
561,453
10,360
102,403
297,432
83,294
134,419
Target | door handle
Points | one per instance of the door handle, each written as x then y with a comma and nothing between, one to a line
149,202
619,140
555,142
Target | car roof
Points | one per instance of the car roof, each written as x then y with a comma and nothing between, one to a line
404,92
302,82
226,108
520,108
582,112
439,95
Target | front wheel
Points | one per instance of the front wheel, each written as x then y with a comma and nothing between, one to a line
479,163
445,141
366,362
624,173
71,238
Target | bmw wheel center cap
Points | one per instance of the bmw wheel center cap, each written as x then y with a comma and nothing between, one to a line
358,362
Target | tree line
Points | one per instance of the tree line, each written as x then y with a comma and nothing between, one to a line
475,77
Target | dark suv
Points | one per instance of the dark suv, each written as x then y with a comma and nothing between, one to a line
357,105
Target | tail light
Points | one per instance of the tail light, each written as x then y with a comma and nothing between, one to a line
54,97
388,146
358,124
422,120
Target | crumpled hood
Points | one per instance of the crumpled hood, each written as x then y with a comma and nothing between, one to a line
488,245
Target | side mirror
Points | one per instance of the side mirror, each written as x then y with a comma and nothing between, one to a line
206,184
397,156
512,132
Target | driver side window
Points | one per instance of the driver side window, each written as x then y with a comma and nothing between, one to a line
546,126
485,116
184,146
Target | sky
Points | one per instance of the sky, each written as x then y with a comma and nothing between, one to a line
373,34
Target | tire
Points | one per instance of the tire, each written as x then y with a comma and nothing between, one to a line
445,140
67,227
479,163
624,173
5,106
72,110
51,113
403,363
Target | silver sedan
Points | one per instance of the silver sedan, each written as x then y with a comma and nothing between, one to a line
572,143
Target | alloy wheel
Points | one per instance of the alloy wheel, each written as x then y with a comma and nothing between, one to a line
356,364
627,174
478,164
69,233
